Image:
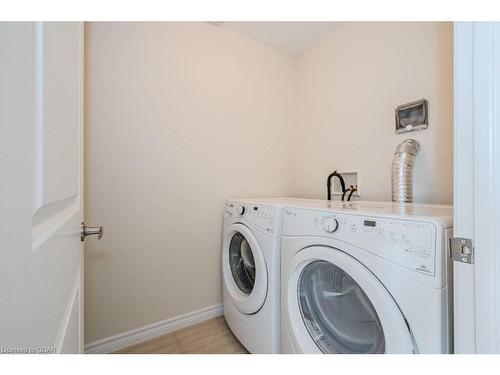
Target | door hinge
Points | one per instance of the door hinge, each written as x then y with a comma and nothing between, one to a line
462,250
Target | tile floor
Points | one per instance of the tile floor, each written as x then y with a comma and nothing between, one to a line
210,337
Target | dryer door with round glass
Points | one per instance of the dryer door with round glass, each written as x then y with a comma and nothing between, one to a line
244,269
336,305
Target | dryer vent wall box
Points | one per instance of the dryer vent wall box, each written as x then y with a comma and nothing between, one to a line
412,116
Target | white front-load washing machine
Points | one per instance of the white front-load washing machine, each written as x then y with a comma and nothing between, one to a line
251,271
366,277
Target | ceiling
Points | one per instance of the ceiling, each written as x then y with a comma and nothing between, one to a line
290,37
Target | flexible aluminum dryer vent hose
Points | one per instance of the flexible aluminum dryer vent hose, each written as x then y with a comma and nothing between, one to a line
402,170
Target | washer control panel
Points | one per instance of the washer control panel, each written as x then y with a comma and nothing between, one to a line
409,243
262,216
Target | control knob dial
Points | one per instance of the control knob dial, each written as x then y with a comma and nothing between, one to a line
330,225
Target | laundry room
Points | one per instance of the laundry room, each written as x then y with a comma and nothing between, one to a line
181,117
219,184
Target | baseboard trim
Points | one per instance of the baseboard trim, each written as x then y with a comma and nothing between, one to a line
138,335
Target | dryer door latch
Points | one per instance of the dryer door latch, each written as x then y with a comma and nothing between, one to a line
462,250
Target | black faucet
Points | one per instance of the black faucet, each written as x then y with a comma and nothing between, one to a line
329,184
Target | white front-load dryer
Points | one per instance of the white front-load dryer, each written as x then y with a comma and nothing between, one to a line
366,277
251,274
251,270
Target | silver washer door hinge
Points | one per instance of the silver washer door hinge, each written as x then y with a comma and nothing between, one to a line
462,250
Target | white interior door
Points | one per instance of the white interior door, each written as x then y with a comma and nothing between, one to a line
477,185
41,267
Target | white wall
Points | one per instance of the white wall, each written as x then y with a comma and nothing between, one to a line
179,117
349,87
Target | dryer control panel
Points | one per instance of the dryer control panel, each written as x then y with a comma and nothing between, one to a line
409,243
259,215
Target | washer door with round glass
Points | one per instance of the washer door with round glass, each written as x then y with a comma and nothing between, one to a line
244,269
336,305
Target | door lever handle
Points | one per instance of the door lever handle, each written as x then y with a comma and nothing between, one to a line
89,231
